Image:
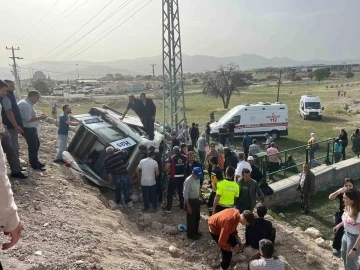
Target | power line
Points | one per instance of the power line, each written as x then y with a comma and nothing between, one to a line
54,22
76,41
37,22
82,50
75,32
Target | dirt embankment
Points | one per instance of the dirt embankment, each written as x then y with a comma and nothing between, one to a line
68,225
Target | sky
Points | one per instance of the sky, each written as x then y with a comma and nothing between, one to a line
301,30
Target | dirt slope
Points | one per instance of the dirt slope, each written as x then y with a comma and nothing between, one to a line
68,225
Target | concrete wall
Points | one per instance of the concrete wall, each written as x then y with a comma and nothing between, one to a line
325,177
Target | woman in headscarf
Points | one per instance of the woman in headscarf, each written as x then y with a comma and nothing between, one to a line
313,145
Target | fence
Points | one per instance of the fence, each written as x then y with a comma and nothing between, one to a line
291,160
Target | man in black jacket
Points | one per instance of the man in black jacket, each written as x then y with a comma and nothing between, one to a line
255,171
10,111
230,158
148,115
306,187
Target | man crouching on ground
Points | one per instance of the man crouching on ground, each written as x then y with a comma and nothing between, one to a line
222,228
191,197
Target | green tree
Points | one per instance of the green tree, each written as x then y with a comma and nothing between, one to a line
119,77
349,74
41,87
195,80
321,74
224,82
110,77
310,75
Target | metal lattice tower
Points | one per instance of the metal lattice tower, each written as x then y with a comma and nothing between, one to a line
173,82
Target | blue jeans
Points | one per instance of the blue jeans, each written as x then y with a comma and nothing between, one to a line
62,146
347,244
149,196
123,179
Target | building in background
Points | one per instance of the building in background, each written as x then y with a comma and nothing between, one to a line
39,75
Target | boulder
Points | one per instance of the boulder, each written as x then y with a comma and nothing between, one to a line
251,254
171,230
282,215
173,250
134,198
321,242
149,252
313,232
157,226
311,258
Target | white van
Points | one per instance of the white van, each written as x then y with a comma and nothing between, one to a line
256,120
310,107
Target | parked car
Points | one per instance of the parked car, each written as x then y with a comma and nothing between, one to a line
100,128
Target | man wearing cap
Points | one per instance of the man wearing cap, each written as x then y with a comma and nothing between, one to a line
192,203
217,175
176,167
255,171
136,105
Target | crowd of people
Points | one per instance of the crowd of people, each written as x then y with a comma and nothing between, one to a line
234,179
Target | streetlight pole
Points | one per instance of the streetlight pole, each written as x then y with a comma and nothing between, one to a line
277,99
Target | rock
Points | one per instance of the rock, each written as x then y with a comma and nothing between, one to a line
311,258
37,206
38,253
134,198
270,218
150,252
282,215
289,232
321,242
278,241
241,266
171,230
23,163
251,253
112,204
157,226
46,224
313,232
173,250
79,262
239,258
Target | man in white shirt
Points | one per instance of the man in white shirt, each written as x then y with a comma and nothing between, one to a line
241,165
266,261
218,145
149,171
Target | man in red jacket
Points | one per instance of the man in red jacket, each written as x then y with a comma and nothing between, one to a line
222,228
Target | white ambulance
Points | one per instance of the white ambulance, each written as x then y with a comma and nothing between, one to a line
310,107
256,120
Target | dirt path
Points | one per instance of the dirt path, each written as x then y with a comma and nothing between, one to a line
68,225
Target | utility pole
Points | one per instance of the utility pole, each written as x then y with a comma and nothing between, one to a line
77,67
17,79
277,99
173,80
153,68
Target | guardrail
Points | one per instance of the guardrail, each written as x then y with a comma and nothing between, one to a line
291,160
